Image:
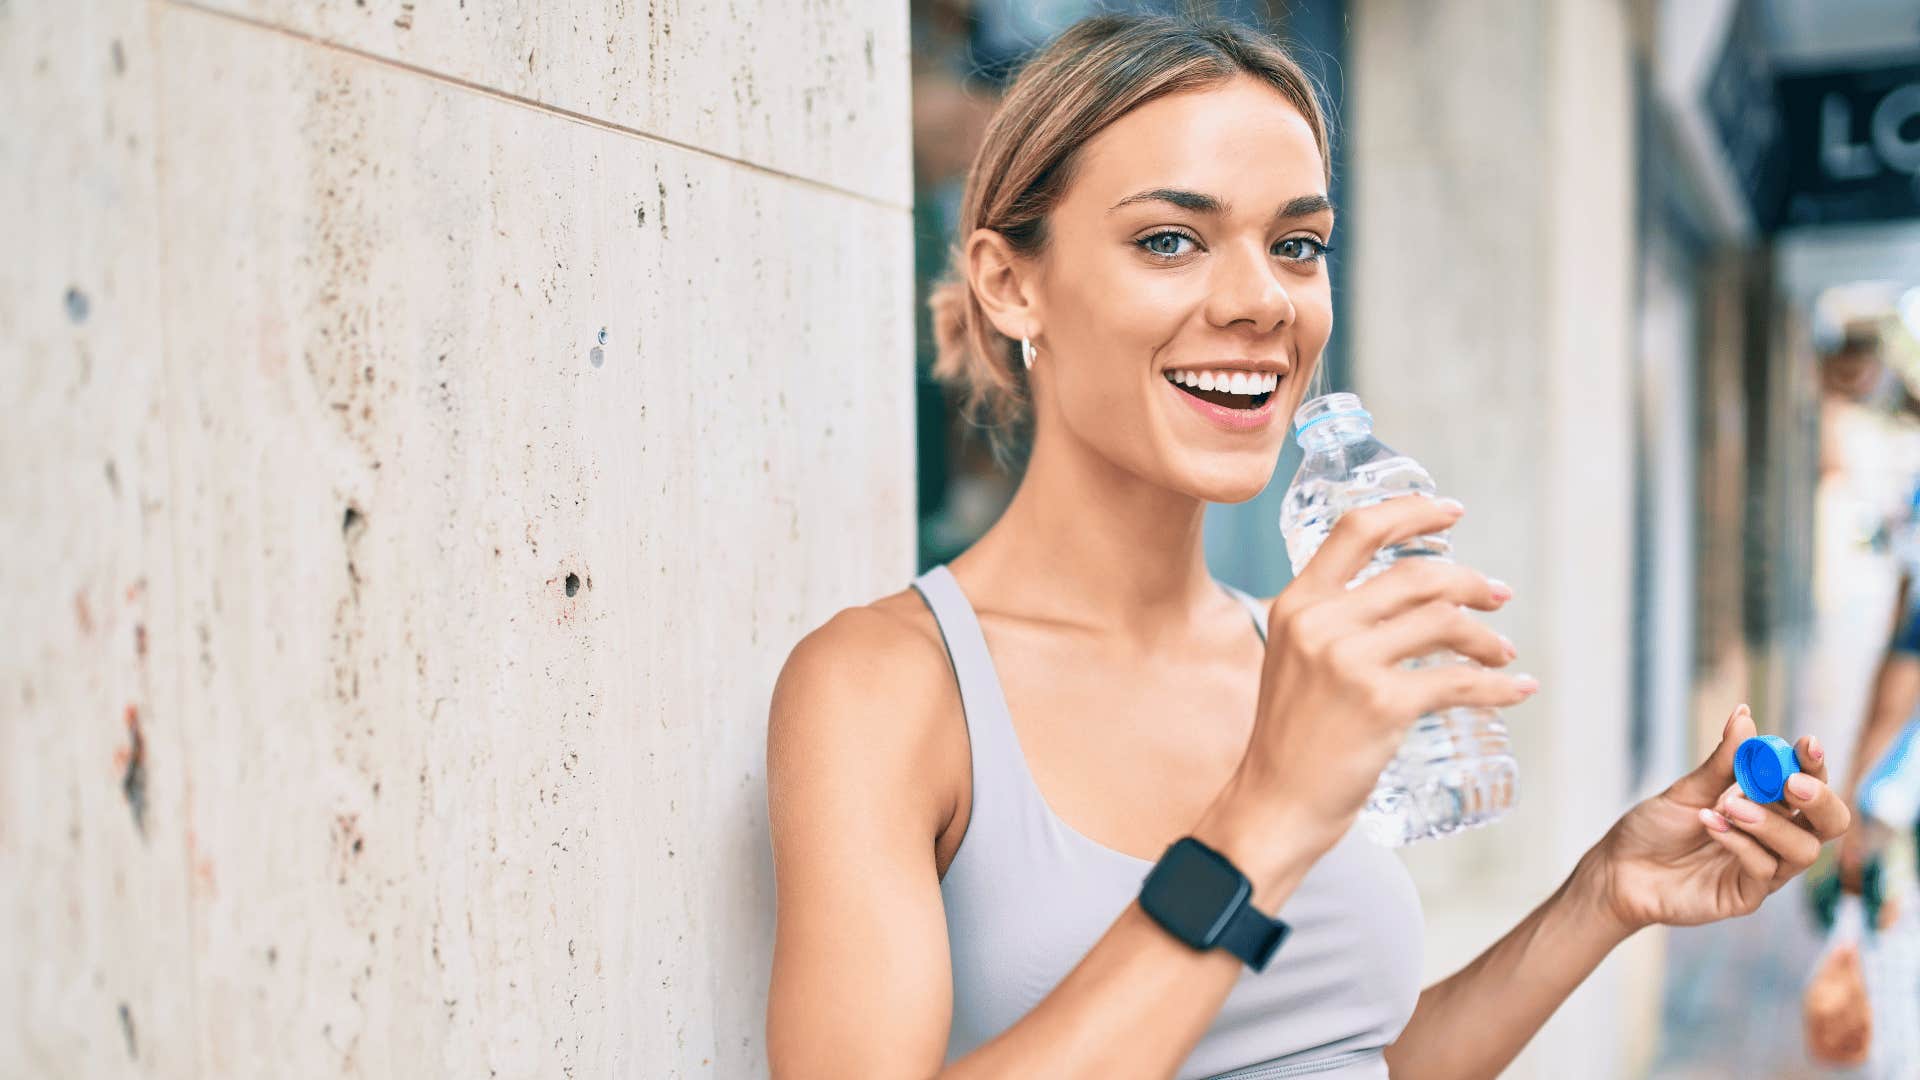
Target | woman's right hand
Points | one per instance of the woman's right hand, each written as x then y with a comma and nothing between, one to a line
1334,701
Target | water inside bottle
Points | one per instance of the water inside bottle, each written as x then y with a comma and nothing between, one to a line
1455,769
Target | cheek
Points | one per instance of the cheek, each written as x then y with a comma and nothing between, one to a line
1313,315
1115,325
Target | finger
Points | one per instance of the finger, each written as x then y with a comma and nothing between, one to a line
1361,533
1435,626
1413,582
1702,786
1812,757
1429,690
1822,810
1755,861
1793,846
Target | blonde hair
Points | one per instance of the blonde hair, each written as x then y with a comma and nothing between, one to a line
1101,68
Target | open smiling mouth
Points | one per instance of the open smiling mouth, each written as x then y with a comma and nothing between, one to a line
1232,390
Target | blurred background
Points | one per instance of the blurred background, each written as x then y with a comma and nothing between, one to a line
430,424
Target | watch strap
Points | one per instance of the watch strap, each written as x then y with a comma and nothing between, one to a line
1252,936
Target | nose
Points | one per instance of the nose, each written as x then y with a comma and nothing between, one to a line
1246,288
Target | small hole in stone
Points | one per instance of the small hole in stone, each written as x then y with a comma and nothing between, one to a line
573,584
77,306
597,356
349,519
603,335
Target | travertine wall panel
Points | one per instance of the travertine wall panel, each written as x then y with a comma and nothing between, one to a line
815,89
440,480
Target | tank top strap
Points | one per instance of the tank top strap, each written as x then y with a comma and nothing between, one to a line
1253,608
1003,794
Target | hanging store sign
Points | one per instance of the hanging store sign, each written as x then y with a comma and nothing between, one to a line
1850,146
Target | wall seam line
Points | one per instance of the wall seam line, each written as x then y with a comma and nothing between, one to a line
529,103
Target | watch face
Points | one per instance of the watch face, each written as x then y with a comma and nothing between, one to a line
1192,891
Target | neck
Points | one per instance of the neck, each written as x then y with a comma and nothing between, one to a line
1088,543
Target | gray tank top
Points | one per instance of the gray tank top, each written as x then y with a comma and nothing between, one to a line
1027,896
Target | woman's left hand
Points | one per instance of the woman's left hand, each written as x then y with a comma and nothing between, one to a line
1700,851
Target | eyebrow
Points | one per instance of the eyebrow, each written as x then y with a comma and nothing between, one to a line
1202,203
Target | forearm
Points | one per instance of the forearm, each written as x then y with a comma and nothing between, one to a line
1472,1024
1896,690
1140,1000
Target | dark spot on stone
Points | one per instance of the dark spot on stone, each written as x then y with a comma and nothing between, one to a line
140,639
119,58
596,356
357,844
640,215
349,519
573,584
126,1029
113,477
273,956
133,780
77,306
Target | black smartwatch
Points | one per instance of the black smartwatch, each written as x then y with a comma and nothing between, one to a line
1205,901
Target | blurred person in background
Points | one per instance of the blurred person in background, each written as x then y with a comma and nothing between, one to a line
1864,488
1871,474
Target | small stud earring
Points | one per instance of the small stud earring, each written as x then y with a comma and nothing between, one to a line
1026,353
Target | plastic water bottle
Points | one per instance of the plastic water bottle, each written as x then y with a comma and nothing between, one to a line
1456,768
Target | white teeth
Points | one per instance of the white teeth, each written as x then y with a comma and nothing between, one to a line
1231,382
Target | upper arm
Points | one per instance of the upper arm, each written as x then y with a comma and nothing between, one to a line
861,982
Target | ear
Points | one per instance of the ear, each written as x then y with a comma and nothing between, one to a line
1004,281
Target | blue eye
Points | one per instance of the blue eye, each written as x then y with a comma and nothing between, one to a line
1302,249
1151,244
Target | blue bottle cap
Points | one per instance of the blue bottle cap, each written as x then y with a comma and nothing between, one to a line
1762,765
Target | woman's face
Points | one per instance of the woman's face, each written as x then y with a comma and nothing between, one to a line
1191,239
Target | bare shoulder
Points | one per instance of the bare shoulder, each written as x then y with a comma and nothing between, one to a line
870,689
890,647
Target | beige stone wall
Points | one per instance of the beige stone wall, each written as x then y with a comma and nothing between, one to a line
386,655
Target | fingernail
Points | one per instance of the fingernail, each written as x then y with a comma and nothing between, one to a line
1814,749
1744,709
1713,821
1502,592
1507,644
1527,683
1745,811
1454,505
1801,785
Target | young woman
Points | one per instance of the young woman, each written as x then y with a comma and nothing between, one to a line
970,780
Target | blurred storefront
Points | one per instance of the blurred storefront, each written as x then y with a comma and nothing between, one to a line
1591,254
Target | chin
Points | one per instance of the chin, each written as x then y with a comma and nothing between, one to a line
1225,478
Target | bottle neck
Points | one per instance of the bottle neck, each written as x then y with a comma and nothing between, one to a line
1335,432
